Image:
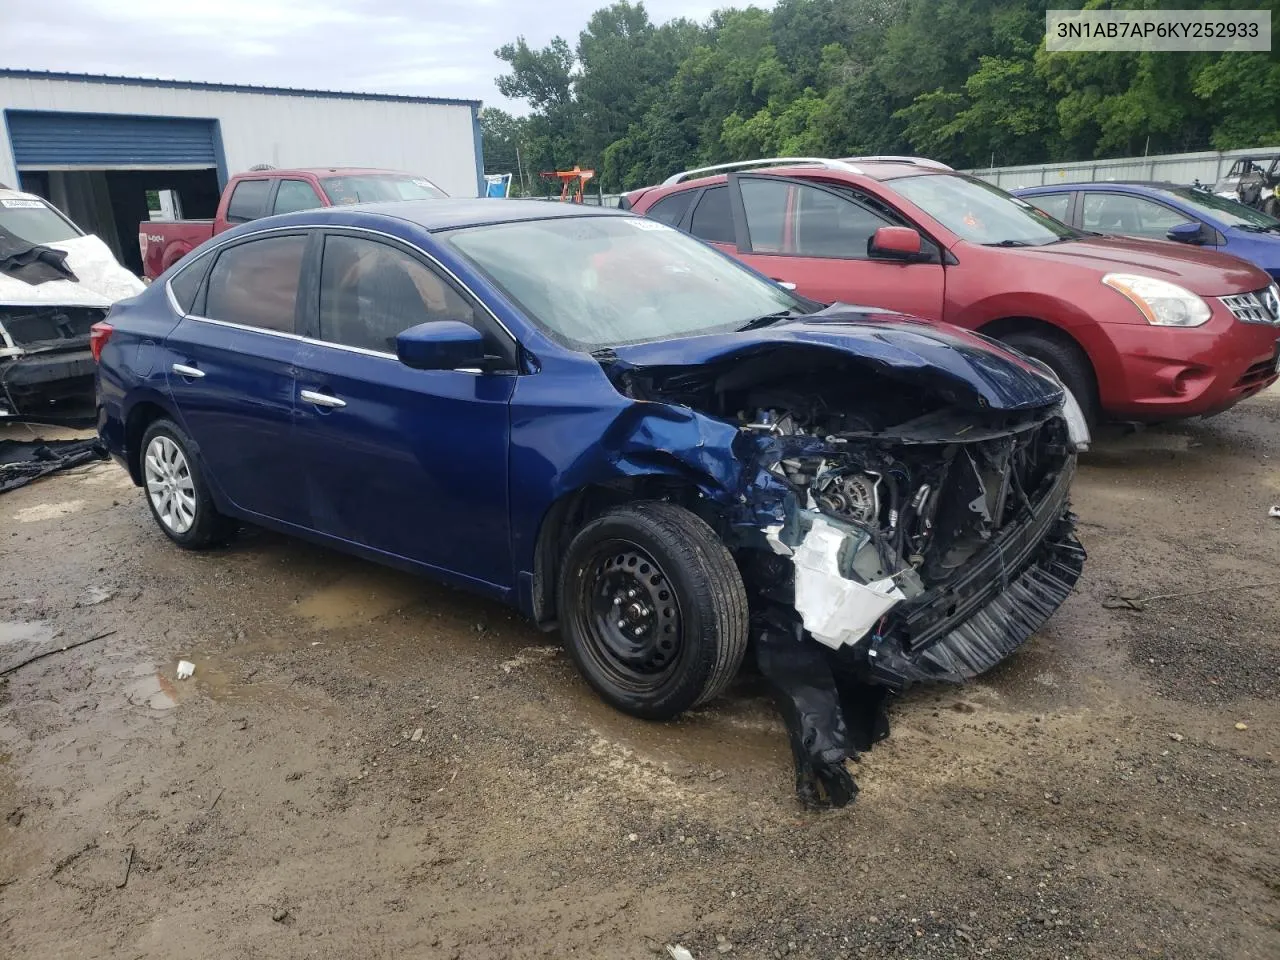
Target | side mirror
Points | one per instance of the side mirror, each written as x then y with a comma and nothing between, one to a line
895,243
441,345
1187,233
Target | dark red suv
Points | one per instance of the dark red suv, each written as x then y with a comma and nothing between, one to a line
1137,329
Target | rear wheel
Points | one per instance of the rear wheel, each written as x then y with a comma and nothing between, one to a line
652,609
176,491
1067,360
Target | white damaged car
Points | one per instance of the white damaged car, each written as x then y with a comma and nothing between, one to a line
56,282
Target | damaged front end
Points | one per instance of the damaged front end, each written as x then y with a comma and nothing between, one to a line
46,367
895,521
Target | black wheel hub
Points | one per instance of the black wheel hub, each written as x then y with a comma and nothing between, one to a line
635,622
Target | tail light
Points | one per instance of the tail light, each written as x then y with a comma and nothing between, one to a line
99,334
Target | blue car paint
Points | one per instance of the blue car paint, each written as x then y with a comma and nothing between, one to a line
1261,249
470,465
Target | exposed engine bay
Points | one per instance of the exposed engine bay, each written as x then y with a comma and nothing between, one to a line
46,370
899,525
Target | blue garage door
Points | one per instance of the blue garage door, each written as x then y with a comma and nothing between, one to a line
45,140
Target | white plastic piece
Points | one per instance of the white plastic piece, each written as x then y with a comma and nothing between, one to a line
678,952
1274,512
837,612
1077,425
185,669
775,542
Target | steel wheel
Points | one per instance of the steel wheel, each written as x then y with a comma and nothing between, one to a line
170,484
630,617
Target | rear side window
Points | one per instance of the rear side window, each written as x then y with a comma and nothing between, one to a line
256,283
295,195
765,202
247,200
711,218
671,210
371,291
186,284
1054,204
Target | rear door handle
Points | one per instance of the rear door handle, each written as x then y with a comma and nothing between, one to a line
184,370
322,399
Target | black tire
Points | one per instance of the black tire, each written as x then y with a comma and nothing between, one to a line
660,569
1068,361
208,528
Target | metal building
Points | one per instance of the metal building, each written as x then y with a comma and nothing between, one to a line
101,147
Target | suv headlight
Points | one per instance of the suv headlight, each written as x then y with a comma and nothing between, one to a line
1162,303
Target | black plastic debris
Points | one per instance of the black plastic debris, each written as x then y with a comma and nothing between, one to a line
31,262
23,461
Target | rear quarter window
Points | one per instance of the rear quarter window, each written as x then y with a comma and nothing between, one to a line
186,283
671,210
712,219
248,200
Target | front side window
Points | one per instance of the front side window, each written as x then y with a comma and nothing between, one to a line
618,279
712,220
248,200
256,283
805,220
295,195
34,221
1227,211
1054,204
370,292
979,212
1132,216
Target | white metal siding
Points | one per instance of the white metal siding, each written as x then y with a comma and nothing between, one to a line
1209,167
287,130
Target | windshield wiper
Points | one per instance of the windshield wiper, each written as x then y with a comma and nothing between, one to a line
1008,243
768,320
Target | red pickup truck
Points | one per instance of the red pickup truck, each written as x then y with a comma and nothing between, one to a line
262,193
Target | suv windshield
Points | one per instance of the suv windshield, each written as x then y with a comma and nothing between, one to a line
603,281
34,221
981,213
368,187
1230,212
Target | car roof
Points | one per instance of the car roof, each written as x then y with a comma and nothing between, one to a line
451,214
320,172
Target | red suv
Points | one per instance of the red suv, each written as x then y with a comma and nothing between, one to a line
1137,329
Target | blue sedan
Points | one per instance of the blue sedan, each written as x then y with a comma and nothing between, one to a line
1164,211
620,431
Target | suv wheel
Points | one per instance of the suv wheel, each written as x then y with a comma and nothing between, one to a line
652,609
1066,360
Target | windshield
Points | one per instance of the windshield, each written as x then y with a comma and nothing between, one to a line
1225,211
982,213
604,281
368,187
35,221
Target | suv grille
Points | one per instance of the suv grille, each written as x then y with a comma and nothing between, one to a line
1251,307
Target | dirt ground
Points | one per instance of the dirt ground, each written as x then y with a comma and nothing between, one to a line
369,765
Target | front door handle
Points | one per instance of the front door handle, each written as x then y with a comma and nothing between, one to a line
322,399
184,370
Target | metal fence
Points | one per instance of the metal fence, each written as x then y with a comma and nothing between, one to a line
1208,167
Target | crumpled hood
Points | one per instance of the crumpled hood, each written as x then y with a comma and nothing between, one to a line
1204,272
967,368
101,281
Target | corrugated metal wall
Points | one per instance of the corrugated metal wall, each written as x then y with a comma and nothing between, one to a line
1184,168
437,140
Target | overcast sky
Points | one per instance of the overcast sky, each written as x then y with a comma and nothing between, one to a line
440,48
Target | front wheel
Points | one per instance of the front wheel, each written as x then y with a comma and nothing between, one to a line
652,609
1068,361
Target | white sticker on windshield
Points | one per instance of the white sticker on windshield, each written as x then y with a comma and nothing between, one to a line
641,224
23,204
419,182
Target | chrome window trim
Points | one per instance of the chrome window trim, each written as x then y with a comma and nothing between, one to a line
173,300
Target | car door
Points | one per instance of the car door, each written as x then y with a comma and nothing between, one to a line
816,236
409,463
231,371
